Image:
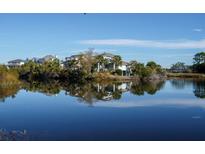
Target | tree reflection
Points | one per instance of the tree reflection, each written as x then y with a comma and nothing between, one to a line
51,87
198,85
89,92
181,83
199,88
139,88
84,92
92,92
8,91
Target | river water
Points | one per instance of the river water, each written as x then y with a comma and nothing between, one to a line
161,110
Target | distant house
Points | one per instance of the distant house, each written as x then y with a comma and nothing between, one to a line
45,59
16,63
73,57
108,56
180,69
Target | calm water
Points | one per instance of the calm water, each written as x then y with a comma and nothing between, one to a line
170,110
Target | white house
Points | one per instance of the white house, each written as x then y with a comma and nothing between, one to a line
124,67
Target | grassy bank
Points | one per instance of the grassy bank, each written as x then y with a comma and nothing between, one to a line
186,75
8,77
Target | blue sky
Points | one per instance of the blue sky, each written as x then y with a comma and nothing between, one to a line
164,38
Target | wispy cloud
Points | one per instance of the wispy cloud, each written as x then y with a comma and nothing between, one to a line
173,44
198,30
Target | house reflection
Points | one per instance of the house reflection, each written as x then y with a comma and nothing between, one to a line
93,92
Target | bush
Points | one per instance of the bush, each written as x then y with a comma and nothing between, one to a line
146,71
117,72
199,68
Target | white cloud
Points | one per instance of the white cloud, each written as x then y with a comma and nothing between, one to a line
198,30
176,44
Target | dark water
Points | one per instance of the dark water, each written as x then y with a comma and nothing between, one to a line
169,110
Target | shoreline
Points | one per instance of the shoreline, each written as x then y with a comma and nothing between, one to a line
186,75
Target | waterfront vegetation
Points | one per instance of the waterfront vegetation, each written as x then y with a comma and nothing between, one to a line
89,66
92,78
8,76
196,70
94,67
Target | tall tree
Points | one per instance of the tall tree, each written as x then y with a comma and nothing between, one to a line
101,62
199,58
117,60
87,60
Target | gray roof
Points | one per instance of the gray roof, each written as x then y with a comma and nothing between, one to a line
73,57
16,61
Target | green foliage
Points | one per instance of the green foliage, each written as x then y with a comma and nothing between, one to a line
199,58
137,68
116,60
146,71
32,70
142,71
77,75
117,72
199,62
152,65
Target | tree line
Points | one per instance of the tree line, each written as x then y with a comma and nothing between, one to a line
197,67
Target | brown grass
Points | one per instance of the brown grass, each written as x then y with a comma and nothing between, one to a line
186,75
107,76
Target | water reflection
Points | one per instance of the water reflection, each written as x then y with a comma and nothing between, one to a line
92,92
198,86
199,89
151,88
8,91
181,83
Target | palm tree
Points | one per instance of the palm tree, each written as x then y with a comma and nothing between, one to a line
117,60
101,61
